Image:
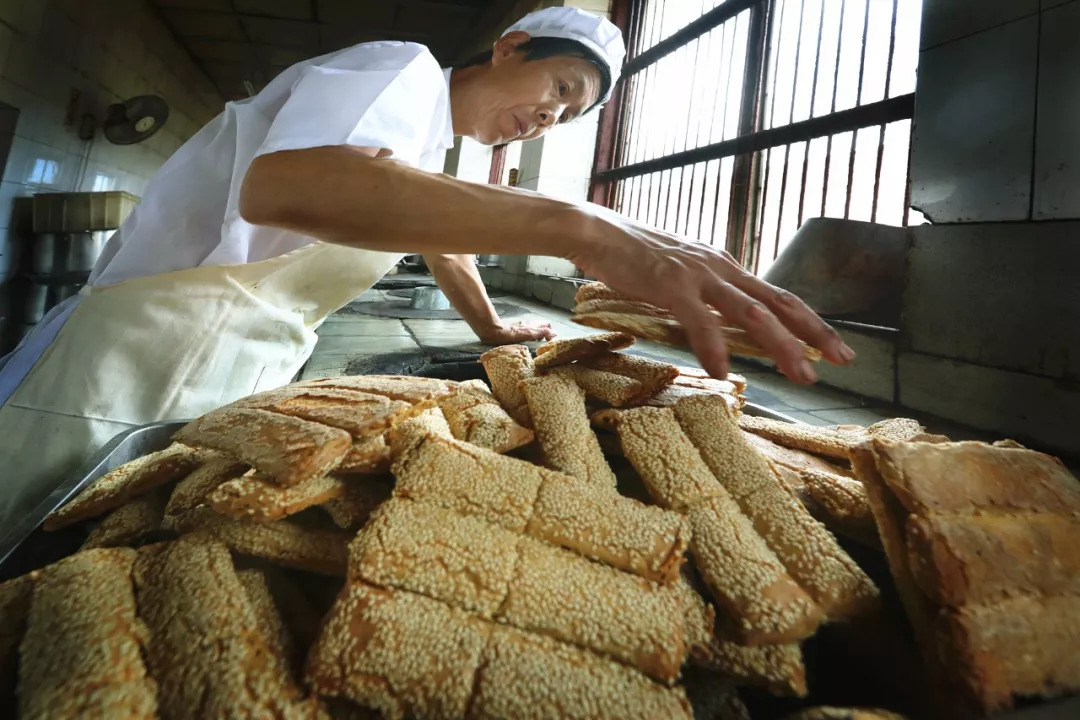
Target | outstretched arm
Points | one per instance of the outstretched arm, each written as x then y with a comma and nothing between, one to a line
345,195
460,281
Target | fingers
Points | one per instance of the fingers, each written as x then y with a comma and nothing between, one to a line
751,315
791,311
705,333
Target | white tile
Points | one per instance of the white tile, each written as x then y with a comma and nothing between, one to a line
1057,143
945,20
974,126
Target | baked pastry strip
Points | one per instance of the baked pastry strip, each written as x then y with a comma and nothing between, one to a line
809,552
282,543
506,367
475,416
288,449
557,406
256,497
832,441
564,352
652,374
125,482
15,596
351,509
607,387
129,524
81,655
206,649
191,492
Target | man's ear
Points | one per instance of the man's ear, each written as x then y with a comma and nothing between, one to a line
507,45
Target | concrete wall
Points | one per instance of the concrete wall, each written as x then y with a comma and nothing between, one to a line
107,51
997,109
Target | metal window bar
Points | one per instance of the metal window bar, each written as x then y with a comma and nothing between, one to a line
772,91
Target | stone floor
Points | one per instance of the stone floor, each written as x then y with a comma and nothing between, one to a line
346,336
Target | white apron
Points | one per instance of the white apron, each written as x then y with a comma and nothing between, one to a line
168,347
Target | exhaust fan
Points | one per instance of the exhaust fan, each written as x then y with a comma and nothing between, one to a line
135,119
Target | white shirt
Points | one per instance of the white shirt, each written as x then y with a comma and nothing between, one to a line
389,95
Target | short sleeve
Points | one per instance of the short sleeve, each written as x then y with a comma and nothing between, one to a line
379,106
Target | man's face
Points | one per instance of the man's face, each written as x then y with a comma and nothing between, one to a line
524,99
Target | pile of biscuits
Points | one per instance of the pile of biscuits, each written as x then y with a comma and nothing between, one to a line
598,535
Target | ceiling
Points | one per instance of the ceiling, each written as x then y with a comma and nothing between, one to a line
251,41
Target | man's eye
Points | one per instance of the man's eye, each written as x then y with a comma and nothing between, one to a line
563,89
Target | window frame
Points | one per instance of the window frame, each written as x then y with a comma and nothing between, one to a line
752,139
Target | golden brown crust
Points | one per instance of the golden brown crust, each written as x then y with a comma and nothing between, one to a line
81,655
367,456
361,414
361,496
692,373
401,653
1025,646
475,416
606,387
276,636
560,594
557,406
838,713
523,675
412,389
672,394
605,526
776,667
762,604
281,542
469,480
665,459
833,441
808,551
960,559
288,449
843,498
255,497
205,647
429,550
15,596
191,492
981,477
652,374
506,367
629,307
120,485
596,291
129,524
791,458
564,352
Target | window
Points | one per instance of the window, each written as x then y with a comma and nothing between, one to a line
736,120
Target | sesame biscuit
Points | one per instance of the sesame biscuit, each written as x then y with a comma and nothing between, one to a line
288,449
506,367
558,593
762,603
191,492
15,596
831,441
523,675
254,497
81,655
843,499
672,394
351,509
779,668
653,375
125,482
564,352
361,414
404,654
410,389
797,460
557,406
281,542
367,456
607,387
475,416
205,648
129,524
596,291
268,622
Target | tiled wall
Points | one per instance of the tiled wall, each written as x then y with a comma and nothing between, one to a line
998,105
107,50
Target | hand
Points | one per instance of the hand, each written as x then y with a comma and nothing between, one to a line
688,277
513,333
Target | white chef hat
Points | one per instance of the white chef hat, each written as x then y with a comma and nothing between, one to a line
597,34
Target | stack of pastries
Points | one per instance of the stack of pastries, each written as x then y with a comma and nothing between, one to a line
585,536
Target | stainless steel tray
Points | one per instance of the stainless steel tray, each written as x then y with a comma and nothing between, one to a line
126,446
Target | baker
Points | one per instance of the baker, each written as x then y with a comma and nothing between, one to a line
293,202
